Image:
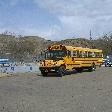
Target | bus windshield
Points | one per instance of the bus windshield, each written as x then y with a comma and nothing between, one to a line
57,54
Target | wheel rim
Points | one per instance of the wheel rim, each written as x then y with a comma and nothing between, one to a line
93,67
62,71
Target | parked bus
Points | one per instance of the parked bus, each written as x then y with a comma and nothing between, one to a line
62,58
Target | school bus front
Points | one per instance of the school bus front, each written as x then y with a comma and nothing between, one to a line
54,60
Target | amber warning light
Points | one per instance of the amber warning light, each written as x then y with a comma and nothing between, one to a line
57,47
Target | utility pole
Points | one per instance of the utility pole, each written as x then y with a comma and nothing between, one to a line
90,35
92,44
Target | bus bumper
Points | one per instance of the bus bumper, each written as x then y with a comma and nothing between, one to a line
49,69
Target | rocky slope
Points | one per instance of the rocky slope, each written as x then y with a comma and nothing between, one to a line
27,47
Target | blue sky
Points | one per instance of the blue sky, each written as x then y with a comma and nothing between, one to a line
56,19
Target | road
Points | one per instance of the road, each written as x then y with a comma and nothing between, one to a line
79,92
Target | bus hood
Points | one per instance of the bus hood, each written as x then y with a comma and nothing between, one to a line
51,63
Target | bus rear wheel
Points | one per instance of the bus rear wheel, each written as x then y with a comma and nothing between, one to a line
92,67
79,69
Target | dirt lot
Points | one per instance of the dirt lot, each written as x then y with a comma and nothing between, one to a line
79,92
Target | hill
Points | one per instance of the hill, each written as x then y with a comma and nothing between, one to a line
26,47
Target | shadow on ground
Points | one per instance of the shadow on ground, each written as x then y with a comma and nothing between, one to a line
74,72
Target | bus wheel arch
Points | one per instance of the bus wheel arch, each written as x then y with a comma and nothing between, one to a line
92,67
62,70
44,73
79,69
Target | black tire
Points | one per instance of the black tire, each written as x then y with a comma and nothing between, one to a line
92,68
100,65
79,69
61,71
44,73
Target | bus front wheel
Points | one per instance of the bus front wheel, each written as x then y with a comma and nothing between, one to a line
44,73
61,71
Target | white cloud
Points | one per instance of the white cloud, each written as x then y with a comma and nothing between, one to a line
77,17
77,7
52,33
75,25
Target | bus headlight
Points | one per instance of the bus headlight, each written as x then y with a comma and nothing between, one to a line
55,64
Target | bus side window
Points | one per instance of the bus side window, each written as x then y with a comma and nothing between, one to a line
97,55
69,53
89,54
93,54
85,54
77,53
80,54
74,53
101,55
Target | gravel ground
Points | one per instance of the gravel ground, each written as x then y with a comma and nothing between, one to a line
79,92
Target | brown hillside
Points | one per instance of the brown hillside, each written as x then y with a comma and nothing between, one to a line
27,47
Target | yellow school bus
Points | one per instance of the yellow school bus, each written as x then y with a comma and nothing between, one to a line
62,58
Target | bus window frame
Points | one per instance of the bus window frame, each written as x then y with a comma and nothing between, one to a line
99,54
74,53
69,53
85,54
90,56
